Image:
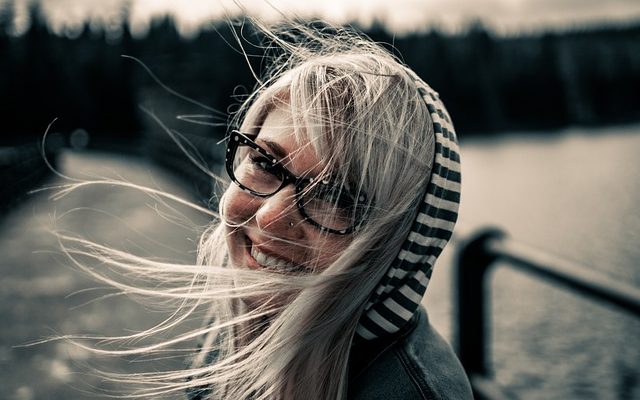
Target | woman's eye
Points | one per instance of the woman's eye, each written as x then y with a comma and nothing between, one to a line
264,164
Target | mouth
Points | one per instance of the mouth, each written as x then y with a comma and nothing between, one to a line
258,259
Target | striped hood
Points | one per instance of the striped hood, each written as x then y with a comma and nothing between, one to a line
399,293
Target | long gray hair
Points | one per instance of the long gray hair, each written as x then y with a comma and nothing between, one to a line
355,103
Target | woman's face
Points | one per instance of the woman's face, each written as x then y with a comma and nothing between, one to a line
272,233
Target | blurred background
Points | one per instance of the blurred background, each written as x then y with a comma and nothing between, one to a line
545,96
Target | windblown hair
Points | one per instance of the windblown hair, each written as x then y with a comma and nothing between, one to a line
355,103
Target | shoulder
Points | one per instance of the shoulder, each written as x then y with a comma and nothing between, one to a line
417,364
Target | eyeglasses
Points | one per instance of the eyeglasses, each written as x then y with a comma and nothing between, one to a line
322,202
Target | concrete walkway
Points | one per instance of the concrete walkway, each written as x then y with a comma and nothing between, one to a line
36,279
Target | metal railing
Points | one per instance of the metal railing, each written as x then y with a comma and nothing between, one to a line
476,256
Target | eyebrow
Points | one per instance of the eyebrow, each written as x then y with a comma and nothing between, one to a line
277,150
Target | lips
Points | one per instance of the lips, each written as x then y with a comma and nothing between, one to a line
261,259
270,261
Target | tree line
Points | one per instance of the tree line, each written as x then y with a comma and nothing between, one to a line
541,81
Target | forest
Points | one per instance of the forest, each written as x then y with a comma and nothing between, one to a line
529,82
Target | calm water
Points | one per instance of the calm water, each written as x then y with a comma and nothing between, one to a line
576,195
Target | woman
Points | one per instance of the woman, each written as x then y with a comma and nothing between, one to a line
345,188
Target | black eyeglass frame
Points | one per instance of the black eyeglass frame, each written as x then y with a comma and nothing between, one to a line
237,138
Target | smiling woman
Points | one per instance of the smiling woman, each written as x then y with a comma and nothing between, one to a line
261,207
344,190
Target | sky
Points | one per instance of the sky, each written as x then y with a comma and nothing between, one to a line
400,16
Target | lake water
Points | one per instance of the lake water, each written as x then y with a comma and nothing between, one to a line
575,194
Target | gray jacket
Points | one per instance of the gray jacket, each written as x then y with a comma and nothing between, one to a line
416,363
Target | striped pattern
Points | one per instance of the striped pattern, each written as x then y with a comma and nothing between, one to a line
400,292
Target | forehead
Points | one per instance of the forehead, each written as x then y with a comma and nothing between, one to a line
277,136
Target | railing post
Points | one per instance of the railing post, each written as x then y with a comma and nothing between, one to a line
473,261
475,257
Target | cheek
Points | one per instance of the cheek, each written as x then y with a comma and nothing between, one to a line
238,206
328,249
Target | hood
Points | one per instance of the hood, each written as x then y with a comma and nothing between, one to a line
399,293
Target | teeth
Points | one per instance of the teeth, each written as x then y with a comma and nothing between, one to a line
270,261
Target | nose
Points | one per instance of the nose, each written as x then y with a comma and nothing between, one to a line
278,215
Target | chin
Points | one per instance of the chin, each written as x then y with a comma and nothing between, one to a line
272,304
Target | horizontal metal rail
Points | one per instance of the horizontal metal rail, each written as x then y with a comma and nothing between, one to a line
584,280
475,258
